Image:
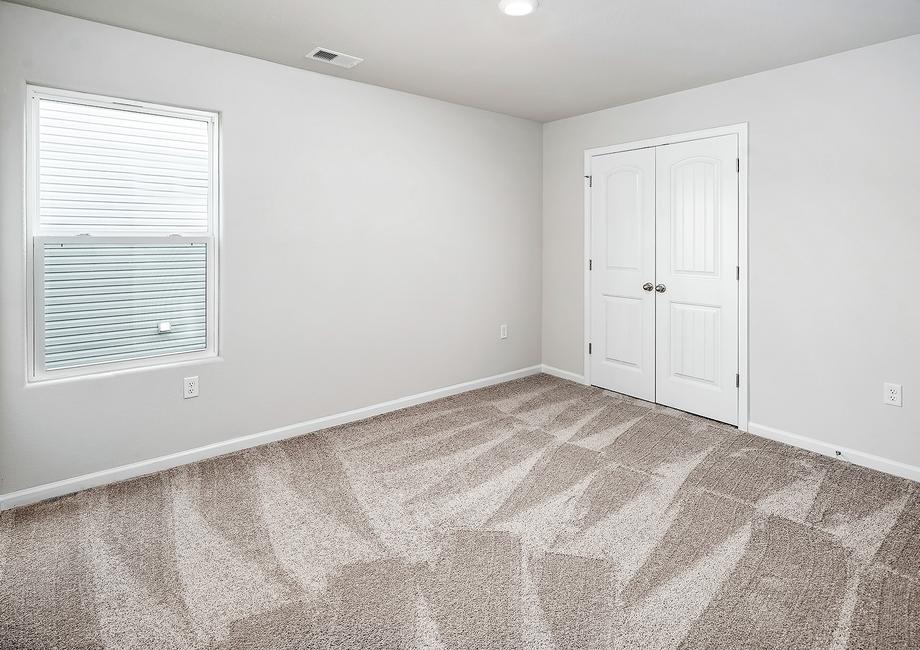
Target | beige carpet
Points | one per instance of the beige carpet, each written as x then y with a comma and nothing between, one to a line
533,514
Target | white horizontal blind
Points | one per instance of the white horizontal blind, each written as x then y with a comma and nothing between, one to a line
112,170
121,209
105,302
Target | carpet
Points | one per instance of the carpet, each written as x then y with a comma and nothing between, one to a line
532,514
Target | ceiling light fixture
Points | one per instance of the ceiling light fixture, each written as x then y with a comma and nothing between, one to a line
518,7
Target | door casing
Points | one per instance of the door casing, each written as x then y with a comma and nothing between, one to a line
740,130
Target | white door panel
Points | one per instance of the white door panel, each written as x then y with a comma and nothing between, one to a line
623,259
696,258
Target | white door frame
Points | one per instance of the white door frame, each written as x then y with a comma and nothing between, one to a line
741,130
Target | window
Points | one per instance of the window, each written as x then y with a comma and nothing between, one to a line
121,214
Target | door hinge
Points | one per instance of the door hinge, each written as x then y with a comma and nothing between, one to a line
589,348
738,165
737,380
590,181
737,272
590,265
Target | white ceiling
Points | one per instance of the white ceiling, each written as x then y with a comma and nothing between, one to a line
570,57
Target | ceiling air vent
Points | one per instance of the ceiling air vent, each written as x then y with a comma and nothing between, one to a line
333,57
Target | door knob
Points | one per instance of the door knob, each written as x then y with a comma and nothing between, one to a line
660,288
648,286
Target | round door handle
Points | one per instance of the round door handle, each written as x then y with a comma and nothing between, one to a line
648,286
660,288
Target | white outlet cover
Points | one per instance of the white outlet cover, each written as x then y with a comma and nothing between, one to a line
892,394
190,387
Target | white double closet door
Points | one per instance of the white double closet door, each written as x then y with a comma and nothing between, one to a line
663,288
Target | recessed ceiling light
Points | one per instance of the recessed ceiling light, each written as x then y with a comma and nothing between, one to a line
518,7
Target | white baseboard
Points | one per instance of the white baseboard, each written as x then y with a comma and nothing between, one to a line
103,477
563,374
827,449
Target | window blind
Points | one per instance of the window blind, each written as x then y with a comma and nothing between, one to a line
122,215
112,170
110,302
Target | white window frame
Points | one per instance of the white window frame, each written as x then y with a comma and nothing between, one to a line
36,237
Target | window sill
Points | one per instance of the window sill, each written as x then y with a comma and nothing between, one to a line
105,373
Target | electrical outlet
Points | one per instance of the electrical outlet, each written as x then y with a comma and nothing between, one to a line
892,395
503,332
190,387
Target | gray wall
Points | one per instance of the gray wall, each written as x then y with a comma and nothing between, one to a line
373,243
834,237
